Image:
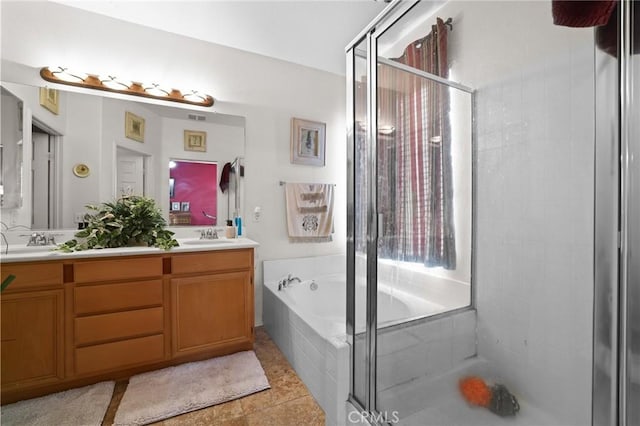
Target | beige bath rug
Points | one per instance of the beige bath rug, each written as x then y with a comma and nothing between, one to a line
165,393
81,406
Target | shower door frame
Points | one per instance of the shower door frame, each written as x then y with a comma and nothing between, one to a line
384,20
371,33
614,202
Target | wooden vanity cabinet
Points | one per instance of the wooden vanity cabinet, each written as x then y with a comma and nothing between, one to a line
32,326
79,321
212,302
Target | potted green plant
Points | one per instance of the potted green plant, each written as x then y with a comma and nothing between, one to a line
129,221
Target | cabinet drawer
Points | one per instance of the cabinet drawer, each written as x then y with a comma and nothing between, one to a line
114,297
126,353
220,260
121,269
33,275
119,325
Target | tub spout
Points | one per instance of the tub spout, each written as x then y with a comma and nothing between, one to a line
285,282
291,279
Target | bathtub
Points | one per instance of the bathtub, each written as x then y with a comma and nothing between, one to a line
321,301
307,321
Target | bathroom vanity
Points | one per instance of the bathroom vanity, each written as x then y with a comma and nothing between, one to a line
79,318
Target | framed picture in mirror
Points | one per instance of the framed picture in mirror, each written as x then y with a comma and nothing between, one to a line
175,206
49,99
307,142
185,206
195,141
133,126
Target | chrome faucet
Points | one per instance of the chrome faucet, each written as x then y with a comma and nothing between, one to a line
209,234
37,239
286,282
40,239
290,279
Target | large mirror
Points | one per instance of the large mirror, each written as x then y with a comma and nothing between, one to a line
62,151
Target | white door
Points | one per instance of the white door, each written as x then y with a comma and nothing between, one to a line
41,171
130,171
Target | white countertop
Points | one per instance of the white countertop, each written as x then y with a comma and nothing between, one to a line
22,253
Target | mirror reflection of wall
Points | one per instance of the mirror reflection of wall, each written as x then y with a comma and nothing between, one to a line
11,151
90,129
195,193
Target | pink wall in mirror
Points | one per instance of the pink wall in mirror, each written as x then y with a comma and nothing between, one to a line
196,189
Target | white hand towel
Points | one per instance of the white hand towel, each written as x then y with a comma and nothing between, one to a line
309,212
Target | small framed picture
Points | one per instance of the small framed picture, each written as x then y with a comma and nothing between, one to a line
307,142
133,126
49,99
195,141
175,206
185,206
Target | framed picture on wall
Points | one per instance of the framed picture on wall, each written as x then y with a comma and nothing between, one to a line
307,142
175,206
195,141
133,126
49,99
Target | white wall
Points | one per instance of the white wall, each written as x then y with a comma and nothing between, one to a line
266,91
11,131
82,143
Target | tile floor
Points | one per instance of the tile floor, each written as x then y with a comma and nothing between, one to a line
288,402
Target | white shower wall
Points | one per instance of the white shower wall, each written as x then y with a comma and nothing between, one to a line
534,208
535,137
535,220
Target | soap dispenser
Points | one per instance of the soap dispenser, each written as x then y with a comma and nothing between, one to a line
230,230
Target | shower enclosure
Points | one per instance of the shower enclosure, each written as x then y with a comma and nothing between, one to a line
474,248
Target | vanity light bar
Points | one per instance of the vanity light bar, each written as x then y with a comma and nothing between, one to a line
109,83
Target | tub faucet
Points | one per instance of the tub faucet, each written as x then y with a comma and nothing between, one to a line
285,282
291,279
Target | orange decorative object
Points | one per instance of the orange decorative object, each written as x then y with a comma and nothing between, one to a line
475,391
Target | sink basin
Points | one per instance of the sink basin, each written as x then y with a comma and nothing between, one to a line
208,242
28,249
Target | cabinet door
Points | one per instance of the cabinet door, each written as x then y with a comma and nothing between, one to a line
32,338
210,311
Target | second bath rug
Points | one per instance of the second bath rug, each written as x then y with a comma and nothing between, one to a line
172,391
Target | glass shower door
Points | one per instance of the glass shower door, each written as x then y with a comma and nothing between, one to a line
425,325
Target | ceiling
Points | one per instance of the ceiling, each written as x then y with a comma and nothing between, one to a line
313,33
